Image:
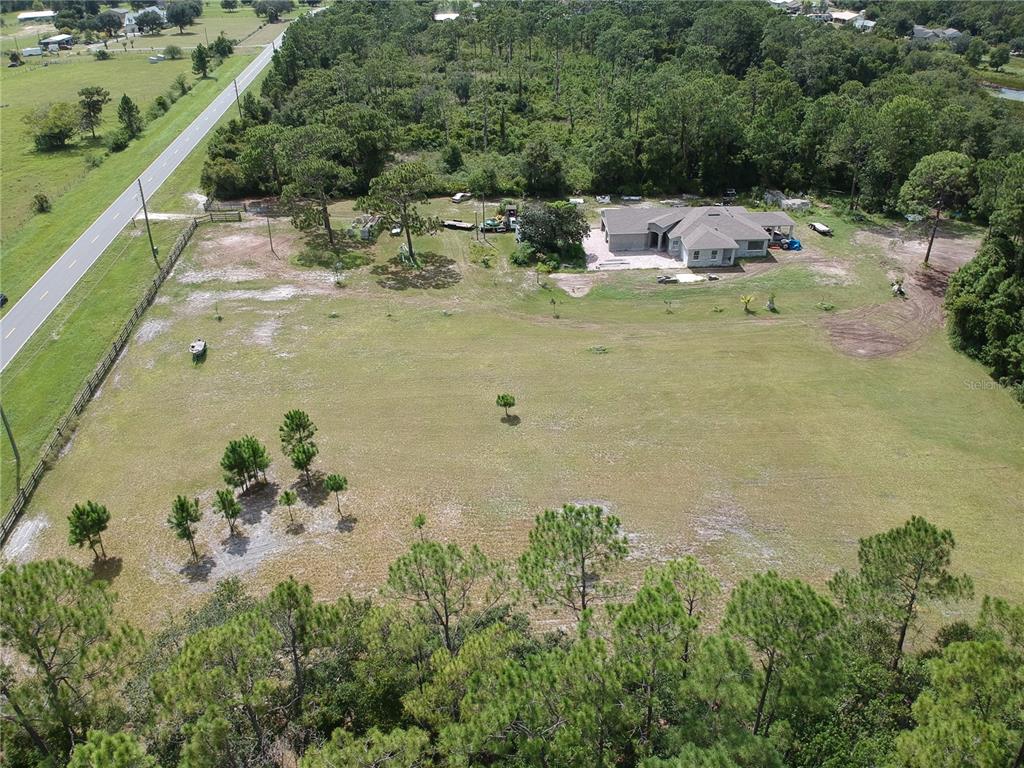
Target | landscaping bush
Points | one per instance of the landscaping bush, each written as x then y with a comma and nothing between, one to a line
41,203
118,140
173,52
94,160
181,84
102,54
523,254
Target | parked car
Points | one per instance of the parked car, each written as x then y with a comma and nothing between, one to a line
396,230
632,198
603,198
3,300
461,197
820,228
730,194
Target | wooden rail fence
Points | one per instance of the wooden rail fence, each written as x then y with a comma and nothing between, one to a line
66,426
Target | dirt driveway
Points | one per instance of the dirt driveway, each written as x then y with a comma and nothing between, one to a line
883,330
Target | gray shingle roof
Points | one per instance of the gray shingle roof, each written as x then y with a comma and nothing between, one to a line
628,221
719,226
703,237
771,219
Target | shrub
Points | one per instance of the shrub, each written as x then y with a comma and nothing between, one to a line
173,52
523,254
93,161
181,84
118,140
102,54
41,203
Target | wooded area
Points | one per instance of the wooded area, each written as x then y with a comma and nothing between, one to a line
447,668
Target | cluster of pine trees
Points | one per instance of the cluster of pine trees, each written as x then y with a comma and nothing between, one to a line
447,667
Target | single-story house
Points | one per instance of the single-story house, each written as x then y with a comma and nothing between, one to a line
36,17
704,236
845,17
923,34
864,25
128,21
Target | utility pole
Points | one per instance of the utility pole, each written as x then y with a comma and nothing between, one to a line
237,102
149,232
17,456
270,234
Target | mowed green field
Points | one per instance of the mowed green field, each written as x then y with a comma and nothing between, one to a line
78,194
744,439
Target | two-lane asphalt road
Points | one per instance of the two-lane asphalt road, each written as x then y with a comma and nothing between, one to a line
29,312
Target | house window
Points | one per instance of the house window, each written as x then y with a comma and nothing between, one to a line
714,253
696,254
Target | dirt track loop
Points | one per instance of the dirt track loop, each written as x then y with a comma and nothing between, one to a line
883,330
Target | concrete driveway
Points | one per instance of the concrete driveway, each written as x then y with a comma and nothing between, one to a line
600,259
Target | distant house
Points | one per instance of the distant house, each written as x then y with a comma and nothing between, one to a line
845,17
707,236
921,34
36,17
128,20
864,25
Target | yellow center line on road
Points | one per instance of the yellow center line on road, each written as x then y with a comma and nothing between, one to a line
9,333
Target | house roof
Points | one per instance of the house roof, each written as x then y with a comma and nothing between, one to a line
702,236
36,15
629,221
56,39
733,221
771,219
699,227
844,15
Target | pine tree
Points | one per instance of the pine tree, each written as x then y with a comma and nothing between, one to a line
129,116
568,551
184,515
86,523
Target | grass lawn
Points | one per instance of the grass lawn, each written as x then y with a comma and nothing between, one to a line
40,383
1010,76
744,439
78,194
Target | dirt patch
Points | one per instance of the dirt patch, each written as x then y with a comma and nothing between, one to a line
224,275
883,330
203,300
577,285
21,546
831,273
150,329
263,334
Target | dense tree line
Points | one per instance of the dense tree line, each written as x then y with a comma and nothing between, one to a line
446,668
545,98
985,298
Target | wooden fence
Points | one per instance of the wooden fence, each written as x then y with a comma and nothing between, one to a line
66,426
